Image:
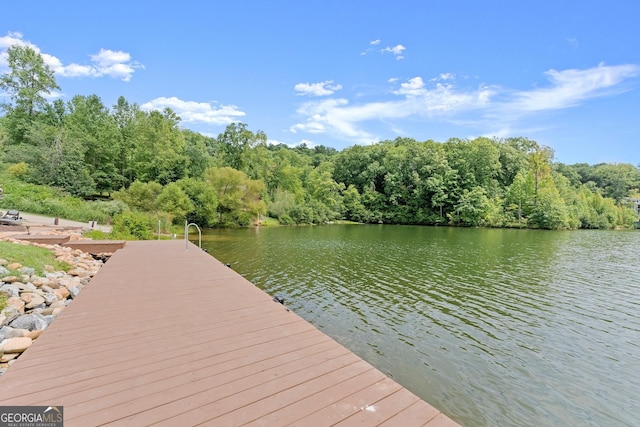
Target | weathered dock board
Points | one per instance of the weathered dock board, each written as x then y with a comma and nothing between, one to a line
168,335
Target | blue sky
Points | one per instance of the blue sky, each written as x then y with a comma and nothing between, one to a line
339,73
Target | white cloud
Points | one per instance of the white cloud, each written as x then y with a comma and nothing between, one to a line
114,64
341,119
196,112
570,87
12,38
317,89
395,50
308,143
441,99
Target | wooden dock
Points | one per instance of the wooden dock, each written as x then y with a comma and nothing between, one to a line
169,335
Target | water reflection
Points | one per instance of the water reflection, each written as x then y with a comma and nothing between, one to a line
494,327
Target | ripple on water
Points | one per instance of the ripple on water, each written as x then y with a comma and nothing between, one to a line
494,327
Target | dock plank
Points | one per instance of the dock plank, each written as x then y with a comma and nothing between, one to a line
166,334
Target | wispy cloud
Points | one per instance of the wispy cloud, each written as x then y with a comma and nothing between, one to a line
440,99
570,87
573,42
395,50
196,112
317,89
115,64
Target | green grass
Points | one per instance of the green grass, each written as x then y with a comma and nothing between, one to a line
39,199
96,235
269,222
30,256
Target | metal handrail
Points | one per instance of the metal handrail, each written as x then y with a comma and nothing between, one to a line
186,234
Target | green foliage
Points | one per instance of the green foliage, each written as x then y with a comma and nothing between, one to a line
549,210
203,199
174,201
17,170
43,200
354,209
150,165
28,80
239,197
140,196
159,152
471,209
133,226
96,235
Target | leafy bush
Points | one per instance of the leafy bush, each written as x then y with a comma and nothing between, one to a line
132,226
18,170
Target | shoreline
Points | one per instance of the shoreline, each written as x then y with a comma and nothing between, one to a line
34,301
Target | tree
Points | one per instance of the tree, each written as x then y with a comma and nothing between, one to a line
239,197
28,81
90,124
617,180
204,199
354,209
235,142
58,160
520,195
127,117
159,152
140,196
472,207
549,211
324,193
196,152
173,200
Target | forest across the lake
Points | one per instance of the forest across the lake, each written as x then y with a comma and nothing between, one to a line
142,165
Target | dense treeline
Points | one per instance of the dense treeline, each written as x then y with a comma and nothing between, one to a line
152,166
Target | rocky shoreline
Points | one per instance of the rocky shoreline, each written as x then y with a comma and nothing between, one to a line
34,301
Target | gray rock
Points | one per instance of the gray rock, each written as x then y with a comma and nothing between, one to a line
50,298
9,332
74,291
31,322
11,290
49,318
10,313
25,286
3,271
27,270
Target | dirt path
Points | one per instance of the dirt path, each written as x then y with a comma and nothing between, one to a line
33,219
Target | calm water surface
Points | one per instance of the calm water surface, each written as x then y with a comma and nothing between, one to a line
493,327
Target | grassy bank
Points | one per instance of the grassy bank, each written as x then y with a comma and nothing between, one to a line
28,256
42,200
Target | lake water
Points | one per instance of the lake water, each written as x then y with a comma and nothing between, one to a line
493,327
